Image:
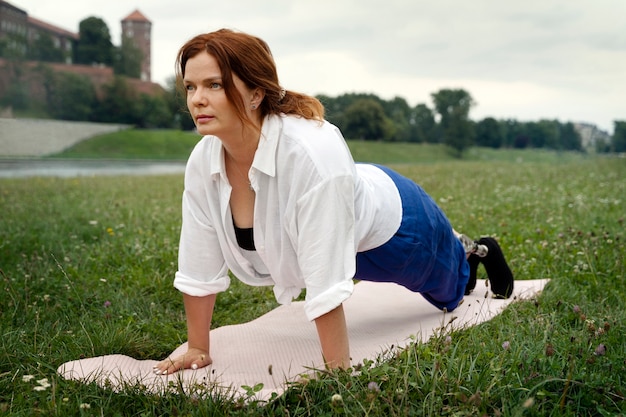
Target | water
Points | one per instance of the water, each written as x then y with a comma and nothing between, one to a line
68,168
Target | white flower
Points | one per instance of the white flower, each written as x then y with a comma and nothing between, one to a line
84,406
27,378
43,382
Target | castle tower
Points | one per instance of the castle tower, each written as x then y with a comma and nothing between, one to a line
137,27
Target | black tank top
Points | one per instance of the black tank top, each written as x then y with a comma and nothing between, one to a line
245,237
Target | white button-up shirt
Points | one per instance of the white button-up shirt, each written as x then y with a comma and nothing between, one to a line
314,210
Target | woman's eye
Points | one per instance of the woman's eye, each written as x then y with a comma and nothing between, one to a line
215,86
189,87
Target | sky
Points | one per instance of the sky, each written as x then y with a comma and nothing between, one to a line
525,60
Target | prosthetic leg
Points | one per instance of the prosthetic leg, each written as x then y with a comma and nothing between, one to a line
487,251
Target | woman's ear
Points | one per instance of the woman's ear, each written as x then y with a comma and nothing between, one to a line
257,97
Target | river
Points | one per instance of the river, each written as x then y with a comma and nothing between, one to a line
67,168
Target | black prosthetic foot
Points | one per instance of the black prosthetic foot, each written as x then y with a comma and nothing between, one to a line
498,271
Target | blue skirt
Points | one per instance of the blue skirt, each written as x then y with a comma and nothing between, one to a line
424,255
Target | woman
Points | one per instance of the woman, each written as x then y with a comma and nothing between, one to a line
272,195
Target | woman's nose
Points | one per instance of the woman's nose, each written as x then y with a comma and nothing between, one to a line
198,98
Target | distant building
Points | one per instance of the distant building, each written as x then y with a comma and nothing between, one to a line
18,29
137,28
590,135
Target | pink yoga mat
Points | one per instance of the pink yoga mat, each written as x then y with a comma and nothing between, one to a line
280,346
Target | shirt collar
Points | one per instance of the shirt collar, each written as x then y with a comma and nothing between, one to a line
265,155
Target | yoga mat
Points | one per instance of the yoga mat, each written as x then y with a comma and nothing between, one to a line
282,345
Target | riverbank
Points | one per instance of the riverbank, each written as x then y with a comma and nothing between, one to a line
38,137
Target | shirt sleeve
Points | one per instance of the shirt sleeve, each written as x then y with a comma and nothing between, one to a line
326,248
202,269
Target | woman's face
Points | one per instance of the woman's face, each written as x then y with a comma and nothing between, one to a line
212,113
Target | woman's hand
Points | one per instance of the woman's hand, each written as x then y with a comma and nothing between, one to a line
193,359
199,313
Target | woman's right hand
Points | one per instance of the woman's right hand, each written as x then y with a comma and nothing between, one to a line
194,358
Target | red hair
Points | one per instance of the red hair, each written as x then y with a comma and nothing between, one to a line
250,58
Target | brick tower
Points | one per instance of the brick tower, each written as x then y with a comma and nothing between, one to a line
137,27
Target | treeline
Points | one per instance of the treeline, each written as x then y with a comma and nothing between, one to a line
368,117
43,92
69,96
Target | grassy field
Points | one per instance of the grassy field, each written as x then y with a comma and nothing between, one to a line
176,145
87,267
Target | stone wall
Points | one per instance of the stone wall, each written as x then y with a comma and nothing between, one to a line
34,137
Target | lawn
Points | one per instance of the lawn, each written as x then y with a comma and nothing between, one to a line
87,266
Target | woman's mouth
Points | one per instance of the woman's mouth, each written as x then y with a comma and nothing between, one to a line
204,118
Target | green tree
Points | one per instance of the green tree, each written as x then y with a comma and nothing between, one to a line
154,112
398,112
618,141
127,59
515,133
453,106
489,133
365,119
16,94
119,104
69,96
543,134
424,124
94,44
570,139
177,104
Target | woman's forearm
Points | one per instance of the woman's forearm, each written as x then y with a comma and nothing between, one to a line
199,311
333,335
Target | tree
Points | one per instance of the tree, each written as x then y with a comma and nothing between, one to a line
154,112
570,139
177,104
489,133
453,107
618,142
365,119
16,93
69,96
424,124
543,134
398,112
514,133
94,44
119,104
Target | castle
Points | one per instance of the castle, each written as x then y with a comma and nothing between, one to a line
16,25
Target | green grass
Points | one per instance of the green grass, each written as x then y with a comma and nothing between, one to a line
176,145
87,267
135,144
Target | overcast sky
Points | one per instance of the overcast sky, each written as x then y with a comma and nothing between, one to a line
527,60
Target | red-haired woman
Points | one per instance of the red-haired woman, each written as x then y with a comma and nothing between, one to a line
273,195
